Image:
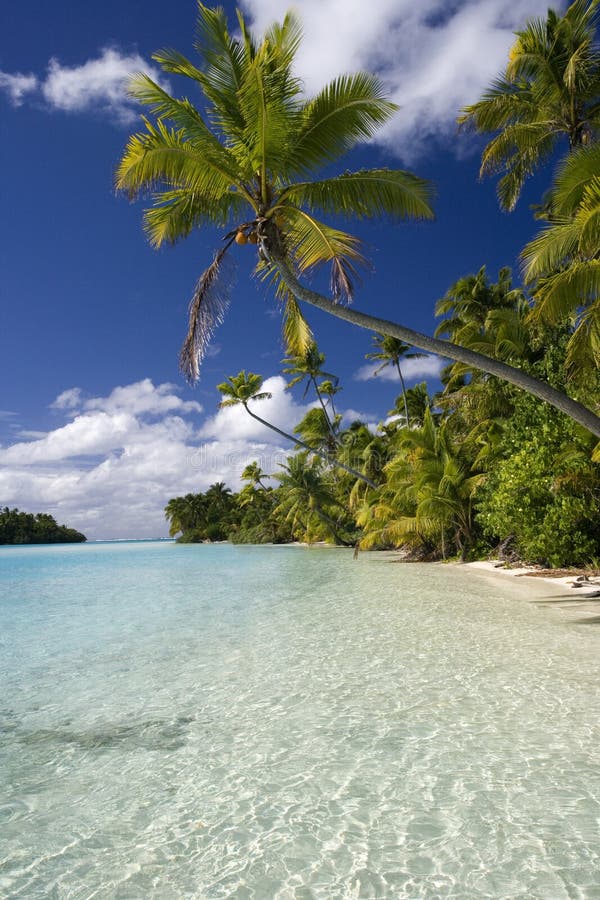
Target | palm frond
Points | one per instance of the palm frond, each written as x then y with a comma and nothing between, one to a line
503,103
549,250
312,243
163,157
176,213
526,142
367,193
561,294
208,306
350,109
267,99
297,332
583,349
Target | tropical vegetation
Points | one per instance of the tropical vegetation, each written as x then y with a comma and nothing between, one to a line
17,527
478,468
481,464
247,161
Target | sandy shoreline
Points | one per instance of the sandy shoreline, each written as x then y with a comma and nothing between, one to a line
579,601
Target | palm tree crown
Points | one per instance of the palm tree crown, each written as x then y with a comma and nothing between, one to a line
248,159
389,351
563,261
245,161
551,88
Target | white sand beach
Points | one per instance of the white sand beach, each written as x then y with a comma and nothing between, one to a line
570,594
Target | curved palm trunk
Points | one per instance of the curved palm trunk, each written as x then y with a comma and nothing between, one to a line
521,379
402,384
325,413
321,453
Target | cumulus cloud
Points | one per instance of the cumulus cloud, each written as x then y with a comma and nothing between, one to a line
17,85
433,56
69,399
143,397
98,84
111,468
412,370
234,423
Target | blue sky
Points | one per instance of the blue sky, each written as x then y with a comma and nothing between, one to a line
93,316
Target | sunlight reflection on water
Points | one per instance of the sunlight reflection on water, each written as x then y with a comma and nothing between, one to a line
278,722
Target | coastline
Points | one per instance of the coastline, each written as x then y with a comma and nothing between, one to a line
583,600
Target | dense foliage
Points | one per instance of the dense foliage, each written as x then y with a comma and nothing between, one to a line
18,527
481,463
478,465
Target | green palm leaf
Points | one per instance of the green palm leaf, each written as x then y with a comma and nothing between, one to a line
163,156
350,109
312,243
178,212
366,193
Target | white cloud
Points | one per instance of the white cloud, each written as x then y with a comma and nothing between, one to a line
143,397
234,423
98,84
433,56
412,370
112,468
17,85
69,399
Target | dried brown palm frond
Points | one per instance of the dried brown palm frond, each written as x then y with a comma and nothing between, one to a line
209,303
342,279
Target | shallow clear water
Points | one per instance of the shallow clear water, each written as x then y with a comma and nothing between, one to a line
216,721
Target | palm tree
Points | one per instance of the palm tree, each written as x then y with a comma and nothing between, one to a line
246,168
308,366
469,300
304,496
390,351
486,317
316,429
184,513
329,389
429,493
254,475
246,387
219,495
417,400
563,262
551,89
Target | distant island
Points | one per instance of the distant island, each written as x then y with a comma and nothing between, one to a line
18,527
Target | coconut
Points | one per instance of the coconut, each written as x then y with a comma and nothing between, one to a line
241,238
253,238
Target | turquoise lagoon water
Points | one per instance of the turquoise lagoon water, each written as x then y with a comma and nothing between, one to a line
216,721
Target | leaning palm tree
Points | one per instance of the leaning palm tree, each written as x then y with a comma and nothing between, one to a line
563,262
550,89
248,166
244,388
308,366
389,351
